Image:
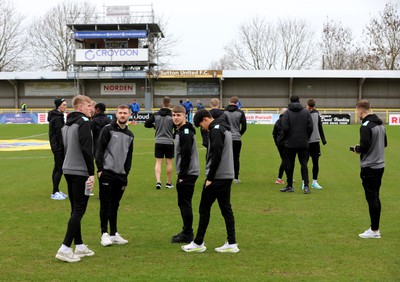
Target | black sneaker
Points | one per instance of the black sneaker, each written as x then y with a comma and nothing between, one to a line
287,189
182,238
306,190
158,186
169,186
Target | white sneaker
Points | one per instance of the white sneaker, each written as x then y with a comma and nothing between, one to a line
228,248
63,194
57,196
83,251
105,240
315,185
370,234
68,256
193,247
236,181
117,239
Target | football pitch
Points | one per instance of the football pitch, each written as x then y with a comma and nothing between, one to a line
281,236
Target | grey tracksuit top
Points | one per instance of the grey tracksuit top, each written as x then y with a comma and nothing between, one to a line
318,131
186,156
237,121
164,126
373,141
78,145
114,150
219,164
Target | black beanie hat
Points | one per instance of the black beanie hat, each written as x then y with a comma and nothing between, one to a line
58,102
101,107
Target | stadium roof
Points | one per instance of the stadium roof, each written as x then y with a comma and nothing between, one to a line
60,75
332,74
152,27
310,74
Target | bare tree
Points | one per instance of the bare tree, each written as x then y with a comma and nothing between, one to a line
255,48
261,45
338,50
297,43
164,48
50,38
11,47
225,63
383,39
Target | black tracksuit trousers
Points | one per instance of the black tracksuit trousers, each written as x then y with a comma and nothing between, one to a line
57,170
78,200
371,181
303,159
111,192
220,190
185,190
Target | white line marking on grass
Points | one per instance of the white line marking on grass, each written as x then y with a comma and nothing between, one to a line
30,137
17,158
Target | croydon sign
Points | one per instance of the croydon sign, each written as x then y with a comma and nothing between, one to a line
111,55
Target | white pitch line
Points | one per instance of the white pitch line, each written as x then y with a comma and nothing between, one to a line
17,158
30,137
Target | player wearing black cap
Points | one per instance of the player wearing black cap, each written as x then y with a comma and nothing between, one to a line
56,121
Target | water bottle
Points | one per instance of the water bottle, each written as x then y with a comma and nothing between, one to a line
88,188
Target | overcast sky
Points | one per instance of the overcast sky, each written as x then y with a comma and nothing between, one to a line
205,27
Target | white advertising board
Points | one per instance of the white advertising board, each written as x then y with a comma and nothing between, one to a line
111,55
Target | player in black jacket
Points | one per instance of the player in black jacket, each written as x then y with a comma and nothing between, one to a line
56,121
279,139
100,119
297,127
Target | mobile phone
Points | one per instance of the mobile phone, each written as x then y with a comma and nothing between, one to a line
352,148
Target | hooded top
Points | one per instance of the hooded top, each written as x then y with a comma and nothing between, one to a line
237,121
297,126
318,131
219,164
56,122
164,126
115,148
277,133
216,114
97,123
78,145
186,156
373,141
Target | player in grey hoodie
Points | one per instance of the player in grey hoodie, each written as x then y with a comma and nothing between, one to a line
316,136
237,122
373,142
161,121
78,169
187,168
220,173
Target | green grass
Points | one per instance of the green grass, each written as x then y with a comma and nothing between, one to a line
281,236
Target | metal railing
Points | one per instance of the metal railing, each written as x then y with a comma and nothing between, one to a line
382,113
